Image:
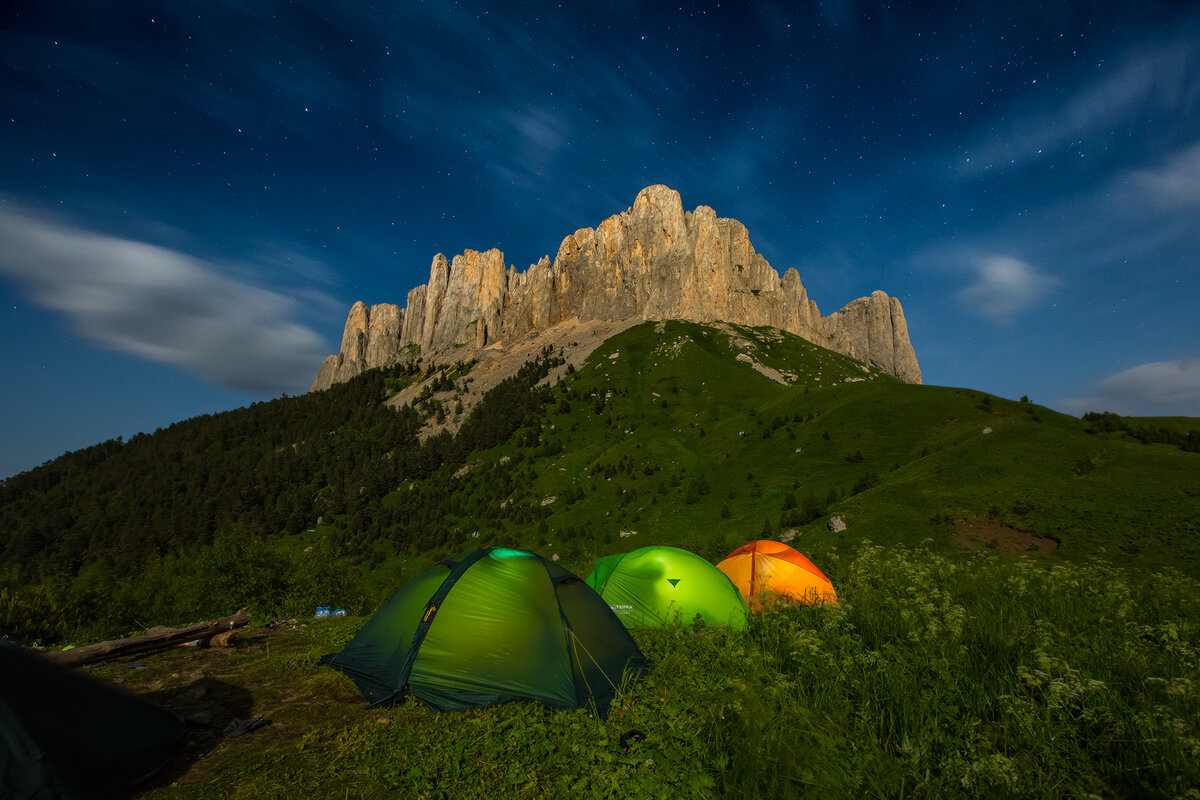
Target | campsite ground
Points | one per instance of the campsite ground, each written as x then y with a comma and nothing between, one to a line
963,674
212,686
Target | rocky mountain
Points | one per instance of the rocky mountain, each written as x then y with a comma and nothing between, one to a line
654,261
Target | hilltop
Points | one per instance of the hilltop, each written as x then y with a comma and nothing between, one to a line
702,435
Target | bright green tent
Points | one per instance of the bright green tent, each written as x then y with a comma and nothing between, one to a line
650,587
488,627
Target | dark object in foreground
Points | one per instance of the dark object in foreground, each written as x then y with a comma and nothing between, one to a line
240,726
65,735
113,648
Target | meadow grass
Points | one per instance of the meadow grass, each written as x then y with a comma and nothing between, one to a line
933,676
981,677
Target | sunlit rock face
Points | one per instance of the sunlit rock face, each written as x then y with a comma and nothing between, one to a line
654,261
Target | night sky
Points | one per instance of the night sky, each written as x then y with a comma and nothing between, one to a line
192,194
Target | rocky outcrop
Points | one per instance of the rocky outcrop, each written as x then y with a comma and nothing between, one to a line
652,262
369,339
872,329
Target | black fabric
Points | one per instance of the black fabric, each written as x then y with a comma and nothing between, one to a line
95,741
240,726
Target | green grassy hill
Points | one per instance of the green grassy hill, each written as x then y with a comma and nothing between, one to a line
666,432
1019,590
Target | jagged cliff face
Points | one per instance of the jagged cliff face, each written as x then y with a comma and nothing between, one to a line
652,262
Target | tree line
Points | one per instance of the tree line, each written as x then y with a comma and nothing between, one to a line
273,468
1107,422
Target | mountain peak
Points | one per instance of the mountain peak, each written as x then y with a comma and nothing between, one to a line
658,198
651,262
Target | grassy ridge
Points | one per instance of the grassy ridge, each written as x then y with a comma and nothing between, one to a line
666,433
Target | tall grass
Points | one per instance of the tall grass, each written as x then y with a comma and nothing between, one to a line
936,677
931,677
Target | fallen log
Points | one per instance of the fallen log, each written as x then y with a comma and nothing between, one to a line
114,648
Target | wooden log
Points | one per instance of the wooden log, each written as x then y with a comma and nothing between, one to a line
115,648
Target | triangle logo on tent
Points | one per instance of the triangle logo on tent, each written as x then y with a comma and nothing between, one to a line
673,581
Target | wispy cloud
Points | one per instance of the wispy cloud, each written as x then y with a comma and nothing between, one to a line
1005,287
525,128
1160,388
1151,84
1175,184
160,304
1120,239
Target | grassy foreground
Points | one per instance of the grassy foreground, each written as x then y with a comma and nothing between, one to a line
934,676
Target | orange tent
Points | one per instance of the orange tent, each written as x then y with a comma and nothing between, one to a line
767,572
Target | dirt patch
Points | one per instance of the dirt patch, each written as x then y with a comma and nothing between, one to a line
976,534
268,673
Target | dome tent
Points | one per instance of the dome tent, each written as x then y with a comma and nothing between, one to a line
649,587
488,627
767,572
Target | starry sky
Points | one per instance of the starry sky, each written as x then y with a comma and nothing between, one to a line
192,194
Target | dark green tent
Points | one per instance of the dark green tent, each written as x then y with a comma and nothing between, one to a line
652,586
64,735
488,627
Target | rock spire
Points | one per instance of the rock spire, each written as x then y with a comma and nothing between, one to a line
654,261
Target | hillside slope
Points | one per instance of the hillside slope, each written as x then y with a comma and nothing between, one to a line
704,436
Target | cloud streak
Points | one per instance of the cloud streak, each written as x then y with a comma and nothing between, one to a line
1144,89
1174,185
1160,388
160,304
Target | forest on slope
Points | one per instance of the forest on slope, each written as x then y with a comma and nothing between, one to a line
208,494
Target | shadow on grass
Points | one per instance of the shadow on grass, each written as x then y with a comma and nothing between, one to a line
206,706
